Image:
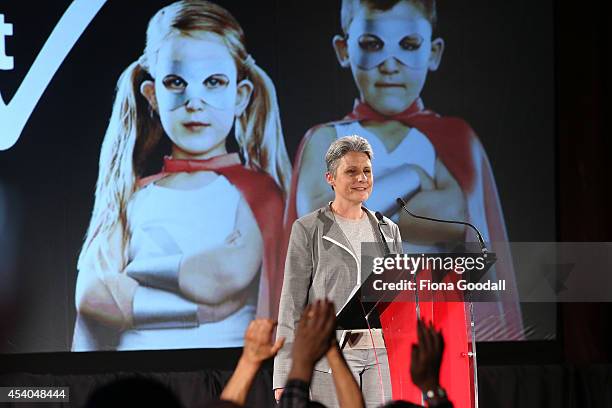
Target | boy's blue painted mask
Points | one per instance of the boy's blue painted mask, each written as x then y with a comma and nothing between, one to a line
372,42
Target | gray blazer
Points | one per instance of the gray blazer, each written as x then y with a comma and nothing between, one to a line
319,264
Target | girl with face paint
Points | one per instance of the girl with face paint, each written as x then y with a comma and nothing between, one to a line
185,257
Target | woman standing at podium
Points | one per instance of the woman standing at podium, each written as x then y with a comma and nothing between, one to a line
324,260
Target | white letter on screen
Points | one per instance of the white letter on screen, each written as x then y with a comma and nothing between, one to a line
15,113
6,62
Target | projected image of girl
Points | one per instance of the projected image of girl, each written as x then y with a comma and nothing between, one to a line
180,251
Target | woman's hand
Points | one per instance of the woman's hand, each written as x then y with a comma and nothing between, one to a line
278,393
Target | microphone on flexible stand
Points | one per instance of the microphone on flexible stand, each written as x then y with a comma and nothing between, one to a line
483,247
381,221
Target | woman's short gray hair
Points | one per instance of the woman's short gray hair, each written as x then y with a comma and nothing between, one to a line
343,146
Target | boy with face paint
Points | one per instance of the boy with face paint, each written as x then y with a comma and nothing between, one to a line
435,163
389,52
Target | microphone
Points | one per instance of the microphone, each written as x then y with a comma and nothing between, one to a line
381,221
483,247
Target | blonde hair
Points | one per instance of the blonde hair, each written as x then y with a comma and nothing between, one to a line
134,140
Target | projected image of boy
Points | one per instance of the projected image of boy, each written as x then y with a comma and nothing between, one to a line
436,163
389,52
185,257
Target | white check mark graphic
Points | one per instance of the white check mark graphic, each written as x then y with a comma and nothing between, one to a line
15,114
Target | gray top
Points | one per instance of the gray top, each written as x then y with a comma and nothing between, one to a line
356,231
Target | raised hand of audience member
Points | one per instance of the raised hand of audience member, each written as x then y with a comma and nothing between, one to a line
258,343
426,356
314,336
347,388
426,359
258,347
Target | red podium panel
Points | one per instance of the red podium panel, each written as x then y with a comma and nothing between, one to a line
453,318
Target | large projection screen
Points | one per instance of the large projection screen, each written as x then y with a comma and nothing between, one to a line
146,241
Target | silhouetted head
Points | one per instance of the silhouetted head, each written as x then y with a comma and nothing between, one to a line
135,391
